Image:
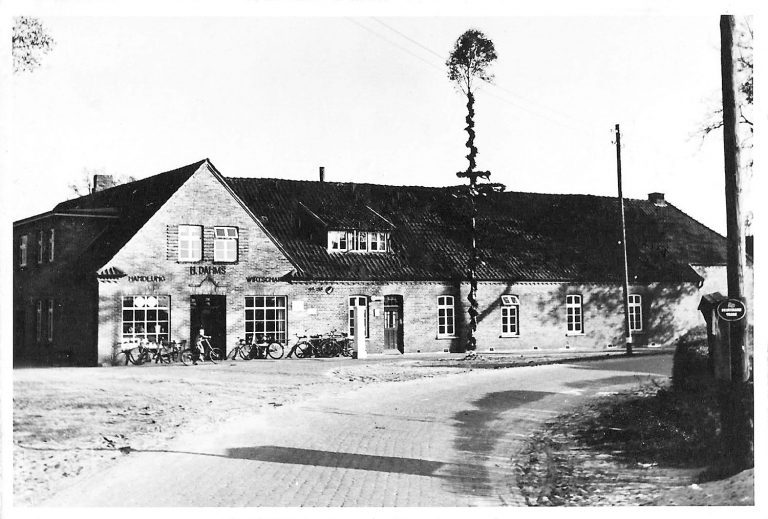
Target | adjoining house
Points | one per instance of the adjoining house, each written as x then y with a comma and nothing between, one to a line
162,257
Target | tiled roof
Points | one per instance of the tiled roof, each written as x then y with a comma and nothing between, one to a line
522,236
134,202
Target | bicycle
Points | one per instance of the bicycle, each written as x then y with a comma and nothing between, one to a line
242,349
170,352
336,345
267,347
202,351
130,350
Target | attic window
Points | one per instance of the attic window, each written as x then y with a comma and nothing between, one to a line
358,241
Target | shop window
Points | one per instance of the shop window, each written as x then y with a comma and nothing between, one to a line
510,314
574,314
147,317
635,313
445,317
23,246
358,305
190,243
225,244
40,246
265,316
50,245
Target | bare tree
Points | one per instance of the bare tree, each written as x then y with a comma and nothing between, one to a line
29,42
468,63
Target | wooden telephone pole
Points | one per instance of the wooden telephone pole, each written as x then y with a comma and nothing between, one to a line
738,432
627,329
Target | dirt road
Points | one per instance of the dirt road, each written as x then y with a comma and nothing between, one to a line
445,441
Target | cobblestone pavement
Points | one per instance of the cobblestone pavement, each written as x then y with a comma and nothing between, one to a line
446,441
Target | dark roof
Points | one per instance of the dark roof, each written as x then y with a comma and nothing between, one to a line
134,202
522,236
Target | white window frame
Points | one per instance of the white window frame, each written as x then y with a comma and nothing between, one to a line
23,249
40,246
50,320
574,314
39,321
274,325
192,236
510,316
225,244
446,317
379,239
160,327
51,241
362,241
635,309
354,303
338,241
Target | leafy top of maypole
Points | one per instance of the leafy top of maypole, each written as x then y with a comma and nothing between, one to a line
471,58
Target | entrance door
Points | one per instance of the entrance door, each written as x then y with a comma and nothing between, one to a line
393,323
210,314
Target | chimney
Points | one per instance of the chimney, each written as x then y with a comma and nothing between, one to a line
322,174
657,199
102,182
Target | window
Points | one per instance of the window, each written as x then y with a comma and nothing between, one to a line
23,250
359,241
39,322
146,317
338,241
40,246
510,311
445,317
574,314
225,244
378,241
265,316
50,320
635,313
190,243
50,245
358,305
362,241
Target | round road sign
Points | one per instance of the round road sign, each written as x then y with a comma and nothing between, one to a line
731,310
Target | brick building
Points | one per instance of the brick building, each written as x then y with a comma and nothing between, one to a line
160,257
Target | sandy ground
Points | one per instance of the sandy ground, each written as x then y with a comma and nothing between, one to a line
69,422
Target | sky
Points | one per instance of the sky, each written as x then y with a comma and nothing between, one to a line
369,99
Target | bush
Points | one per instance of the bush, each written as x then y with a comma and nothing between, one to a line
691,368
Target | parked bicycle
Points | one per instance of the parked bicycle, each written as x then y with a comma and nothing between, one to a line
267,347
201,351
242,349
332,344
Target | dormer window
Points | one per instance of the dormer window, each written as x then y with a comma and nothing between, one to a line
358,241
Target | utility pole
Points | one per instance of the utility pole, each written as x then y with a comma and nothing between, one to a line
736,252
627,330
738,431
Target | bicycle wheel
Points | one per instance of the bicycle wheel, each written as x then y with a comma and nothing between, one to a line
346,349
275,350
186,357
302,350
215,355
245,352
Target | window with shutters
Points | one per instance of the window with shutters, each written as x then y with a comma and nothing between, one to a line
190,243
